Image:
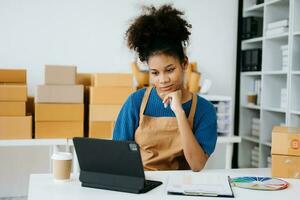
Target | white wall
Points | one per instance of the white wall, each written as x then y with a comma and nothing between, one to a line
90,34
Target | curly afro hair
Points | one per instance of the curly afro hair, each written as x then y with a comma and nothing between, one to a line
159,31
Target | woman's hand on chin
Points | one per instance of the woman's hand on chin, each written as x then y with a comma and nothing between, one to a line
173,99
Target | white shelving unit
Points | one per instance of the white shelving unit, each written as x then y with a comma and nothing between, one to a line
273,78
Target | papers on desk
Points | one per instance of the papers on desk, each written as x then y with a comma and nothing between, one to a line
200,184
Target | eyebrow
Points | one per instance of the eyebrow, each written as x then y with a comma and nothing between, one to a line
169,65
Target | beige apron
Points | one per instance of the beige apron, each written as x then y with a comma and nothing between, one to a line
159,139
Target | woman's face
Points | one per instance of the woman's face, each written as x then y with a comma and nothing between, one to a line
166,73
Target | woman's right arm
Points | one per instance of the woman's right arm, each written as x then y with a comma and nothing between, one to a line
127,121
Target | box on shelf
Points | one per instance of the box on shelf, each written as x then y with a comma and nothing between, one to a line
58,129
13,76
59,94
101,129
59,112
285,166
286,140
109,95
16,127
60,74
104,112
113,80
13,92
12,108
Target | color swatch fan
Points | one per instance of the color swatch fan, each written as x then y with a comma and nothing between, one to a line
259,183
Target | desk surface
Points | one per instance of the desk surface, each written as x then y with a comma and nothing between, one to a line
42,186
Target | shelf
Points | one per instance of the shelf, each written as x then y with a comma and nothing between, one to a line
228,139
295,112
251,139
252,40
255,107
279,36
273,2
257,73
215,97
281,110
259,7
295,72
33,142
277,72
297,33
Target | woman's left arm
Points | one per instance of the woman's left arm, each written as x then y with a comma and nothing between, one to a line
193,152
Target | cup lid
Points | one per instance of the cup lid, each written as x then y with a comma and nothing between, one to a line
62,156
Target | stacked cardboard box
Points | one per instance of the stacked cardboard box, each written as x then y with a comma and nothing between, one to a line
286,152
59,108
107,95
14,124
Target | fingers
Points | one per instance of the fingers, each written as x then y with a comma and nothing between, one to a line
167,100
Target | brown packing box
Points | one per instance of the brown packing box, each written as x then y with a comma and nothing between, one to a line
13,76
284,166
104,112
286,140
59,94
58,129
17,127
60,74
13,92
101,130
12,108
109,95
58,112
84,79
113,80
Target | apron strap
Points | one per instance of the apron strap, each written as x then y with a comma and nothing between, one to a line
193,110
144,103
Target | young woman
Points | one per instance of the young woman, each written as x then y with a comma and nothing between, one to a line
174,128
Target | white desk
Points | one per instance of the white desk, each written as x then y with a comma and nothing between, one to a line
41,186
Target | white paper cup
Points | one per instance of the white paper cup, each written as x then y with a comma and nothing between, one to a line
61,162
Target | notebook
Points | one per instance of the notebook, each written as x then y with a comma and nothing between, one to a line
112,165
200,184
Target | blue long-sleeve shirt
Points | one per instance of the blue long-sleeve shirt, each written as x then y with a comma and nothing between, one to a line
204,127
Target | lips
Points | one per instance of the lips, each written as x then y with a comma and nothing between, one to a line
165,88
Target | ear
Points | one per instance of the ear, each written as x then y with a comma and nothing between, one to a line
185,63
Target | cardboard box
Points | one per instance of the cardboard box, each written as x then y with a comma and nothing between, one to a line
17,127
59,94
286,141
60,74
12,108
59,112
104,112
284,166
113,80
58,129
13,93
13,76
109,95
101,130
84,79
